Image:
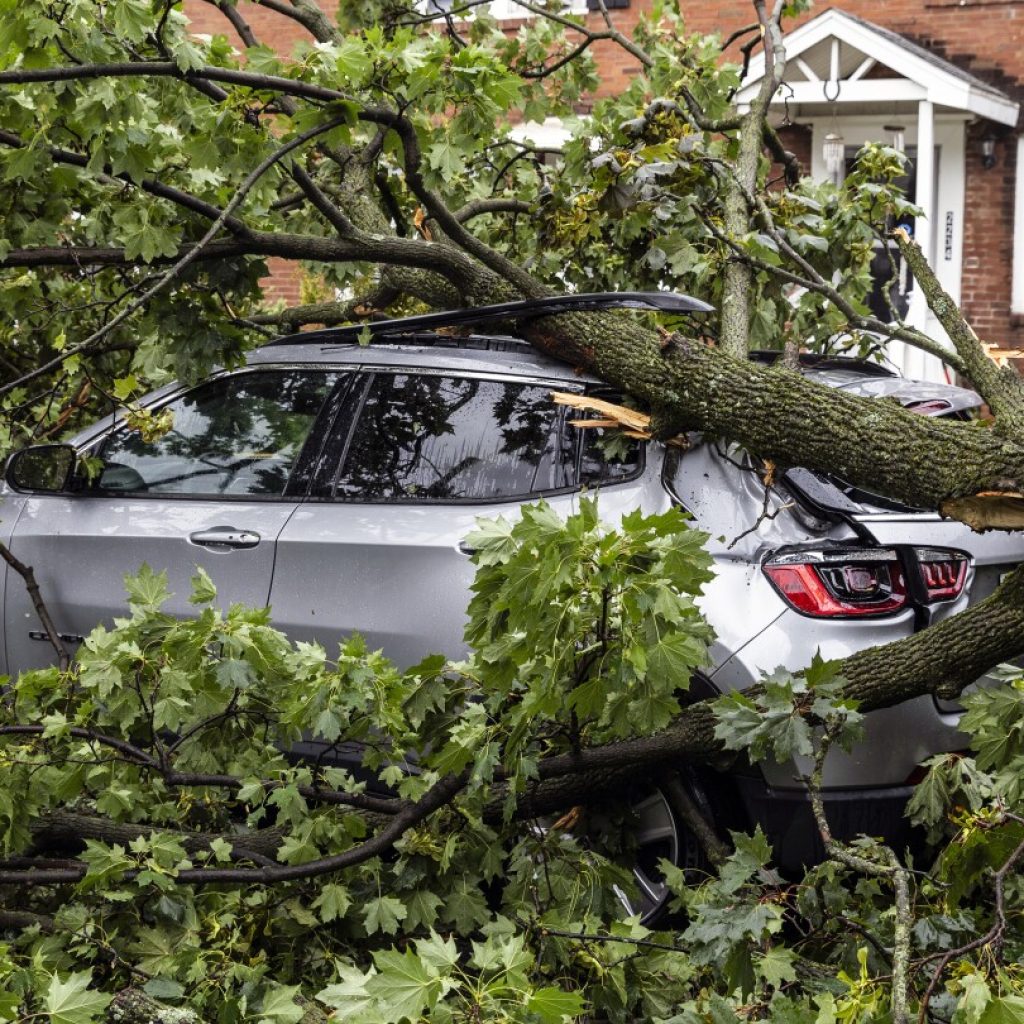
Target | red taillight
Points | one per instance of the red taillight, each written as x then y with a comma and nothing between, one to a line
943,573
840,584
930,407
851,582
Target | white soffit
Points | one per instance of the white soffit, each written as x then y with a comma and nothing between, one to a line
922,75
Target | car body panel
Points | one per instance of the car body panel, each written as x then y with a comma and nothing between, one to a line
11,583
395,574
81,547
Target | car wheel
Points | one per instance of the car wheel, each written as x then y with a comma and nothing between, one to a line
637,831
658,833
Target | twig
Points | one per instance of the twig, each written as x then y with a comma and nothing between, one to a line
891,869
35,595
993,936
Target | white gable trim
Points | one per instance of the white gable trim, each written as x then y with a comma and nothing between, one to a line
1017,298
942,87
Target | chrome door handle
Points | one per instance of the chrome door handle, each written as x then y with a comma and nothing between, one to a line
225,537
68,638
466,549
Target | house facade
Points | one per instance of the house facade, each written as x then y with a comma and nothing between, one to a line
941,79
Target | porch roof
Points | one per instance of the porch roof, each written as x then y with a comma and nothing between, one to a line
871,65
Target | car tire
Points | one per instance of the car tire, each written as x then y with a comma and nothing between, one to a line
660,832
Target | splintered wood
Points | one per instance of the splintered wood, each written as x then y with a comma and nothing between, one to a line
1001,356
987,510
630,422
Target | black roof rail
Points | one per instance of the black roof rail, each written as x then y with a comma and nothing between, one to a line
662,302
820,361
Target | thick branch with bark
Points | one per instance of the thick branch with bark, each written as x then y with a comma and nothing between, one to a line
736,293
779,415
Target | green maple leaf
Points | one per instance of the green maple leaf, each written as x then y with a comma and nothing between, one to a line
776,966
384,915
553,1005
279,1005
1006,1010
405,986
332,902
147,589
674,657
69,1000
465,906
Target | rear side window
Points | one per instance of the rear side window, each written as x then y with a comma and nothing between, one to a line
433,438
236,436
420,438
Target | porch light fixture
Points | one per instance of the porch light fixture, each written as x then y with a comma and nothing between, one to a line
834,153
834,148
897,137
988,151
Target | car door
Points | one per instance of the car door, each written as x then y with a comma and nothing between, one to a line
213,490
412,458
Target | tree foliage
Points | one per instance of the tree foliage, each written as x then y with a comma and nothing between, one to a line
157,835
161,847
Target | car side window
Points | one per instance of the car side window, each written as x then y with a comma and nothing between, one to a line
416,437
608,457
234,436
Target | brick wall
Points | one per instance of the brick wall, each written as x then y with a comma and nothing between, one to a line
797,139
988,241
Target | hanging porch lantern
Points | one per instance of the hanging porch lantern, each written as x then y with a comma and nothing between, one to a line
897,137
834,153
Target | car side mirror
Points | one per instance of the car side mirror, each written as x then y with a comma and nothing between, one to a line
45,468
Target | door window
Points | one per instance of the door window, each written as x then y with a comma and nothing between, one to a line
433,438
237,436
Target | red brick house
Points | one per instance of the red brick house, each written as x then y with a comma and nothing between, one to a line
942,79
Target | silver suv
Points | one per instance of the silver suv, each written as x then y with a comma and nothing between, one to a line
336,482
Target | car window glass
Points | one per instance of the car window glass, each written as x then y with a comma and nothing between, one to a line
608,456
427,437
236,436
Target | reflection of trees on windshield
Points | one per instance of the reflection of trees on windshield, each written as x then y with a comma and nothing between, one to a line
426,437
237,435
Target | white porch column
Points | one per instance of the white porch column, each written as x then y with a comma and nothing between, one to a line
916,364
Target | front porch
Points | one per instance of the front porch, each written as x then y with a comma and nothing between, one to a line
859,82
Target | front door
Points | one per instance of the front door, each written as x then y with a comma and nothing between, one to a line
214,490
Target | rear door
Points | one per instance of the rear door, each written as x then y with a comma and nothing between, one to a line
214,491
413,457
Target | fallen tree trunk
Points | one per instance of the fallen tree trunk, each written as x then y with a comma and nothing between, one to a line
961,469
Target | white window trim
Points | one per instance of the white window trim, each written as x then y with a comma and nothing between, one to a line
509,10
1017,294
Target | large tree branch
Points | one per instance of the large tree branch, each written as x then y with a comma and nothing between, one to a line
156,188
168,69
734,327
778,414
1001,387
439,259
329,314
814,282
941,660
179,266
238,23
439,795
